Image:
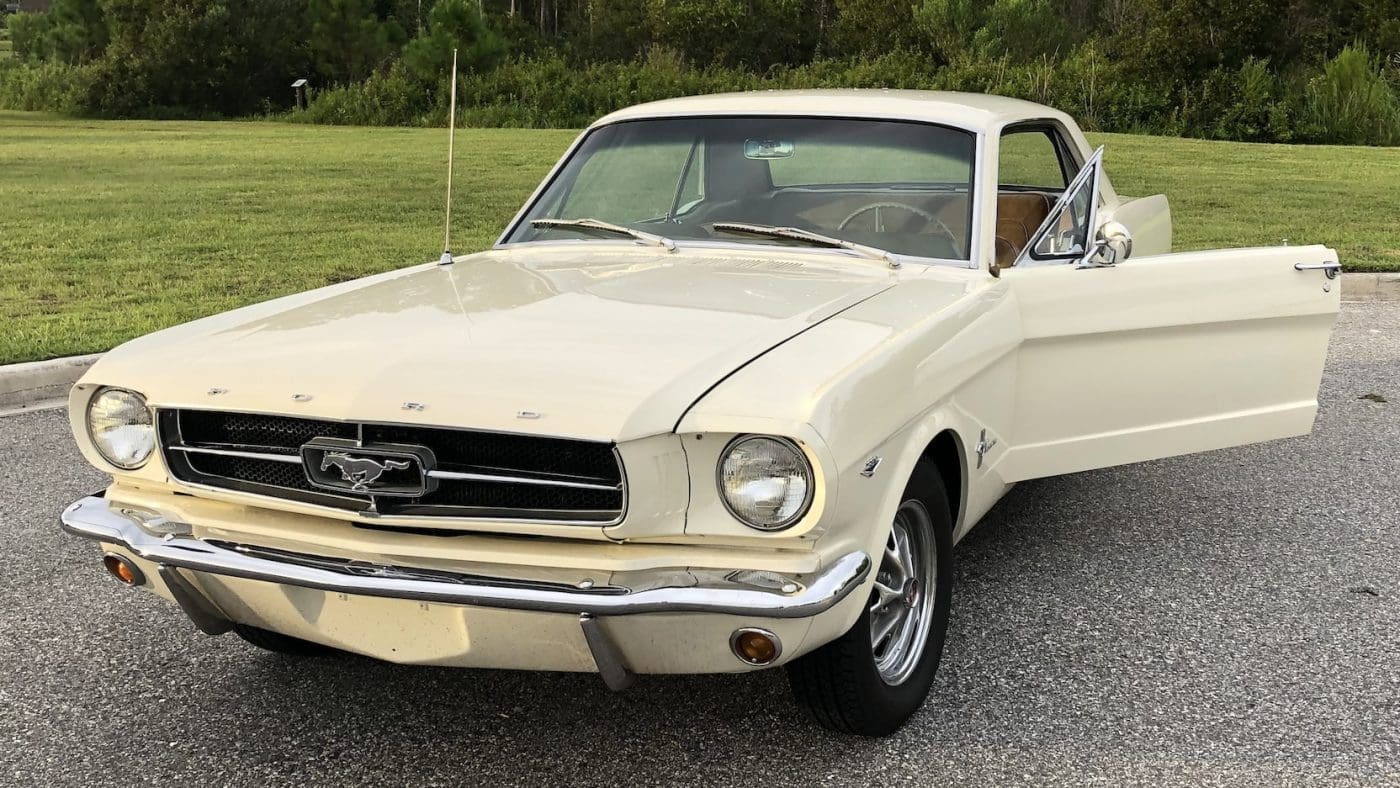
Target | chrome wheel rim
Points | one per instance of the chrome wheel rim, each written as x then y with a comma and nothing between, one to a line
901,606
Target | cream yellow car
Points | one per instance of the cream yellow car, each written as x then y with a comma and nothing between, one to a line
723,397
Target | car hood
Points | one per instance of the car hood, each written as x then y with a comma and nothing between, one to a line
610,345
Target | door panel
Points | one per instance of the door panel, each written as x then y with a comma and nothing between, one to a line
1166,355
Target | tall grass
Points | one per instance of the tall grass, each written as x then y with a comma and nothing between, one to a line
1351,102
46,87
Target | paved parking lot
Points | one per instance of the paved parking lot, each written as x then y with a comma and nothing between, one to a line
1230,618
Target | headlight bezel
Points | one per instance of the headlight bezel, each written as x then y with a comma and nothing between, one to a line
98,445
805,463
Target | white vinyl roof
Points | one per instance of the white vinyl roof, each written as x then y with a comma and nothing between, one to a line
972,111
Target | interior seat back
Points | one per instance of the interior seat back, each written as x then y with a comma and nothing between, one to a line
1019,214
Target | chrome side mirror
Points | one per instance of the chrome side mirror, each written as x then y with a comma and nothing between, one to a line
1113,245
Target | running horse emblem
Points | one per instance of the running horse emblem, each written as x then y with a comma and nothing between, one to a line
361,472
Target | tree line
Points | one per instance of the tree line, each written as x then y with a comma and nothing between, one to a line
1295,70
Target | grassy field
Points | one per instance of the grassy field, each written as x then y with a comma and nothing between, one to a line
114,229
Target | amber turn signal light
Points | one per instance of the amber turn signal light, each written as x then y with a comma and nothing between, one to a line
123,570
755,646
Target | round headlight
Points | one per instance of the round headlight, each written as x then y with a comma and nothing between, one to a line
120,426
765,482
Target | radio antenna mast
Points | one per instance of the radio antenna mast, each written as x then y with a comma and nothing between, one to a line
446,258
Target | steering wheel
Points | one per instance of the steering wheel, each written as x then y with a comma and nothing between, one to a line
930,220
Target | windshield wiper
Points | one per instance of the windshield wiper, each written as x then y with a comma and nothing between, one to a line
607,227
798,234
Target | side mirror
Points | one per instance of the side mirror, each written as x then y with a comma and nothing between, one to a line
1113,245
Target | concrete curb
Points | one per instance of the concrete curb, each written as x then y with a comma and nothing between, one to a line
41,384
1370,287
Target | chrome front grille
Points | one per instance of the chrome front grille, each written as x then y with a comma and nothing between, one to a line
465,473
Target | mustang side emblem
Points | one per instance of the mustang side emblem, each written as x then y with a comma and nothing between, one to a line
361,472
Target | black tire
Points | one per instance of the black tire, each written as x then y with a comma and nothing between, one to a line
840,683
282,644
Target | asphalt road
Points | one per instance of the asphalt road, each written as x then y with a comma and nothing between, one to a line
1229,618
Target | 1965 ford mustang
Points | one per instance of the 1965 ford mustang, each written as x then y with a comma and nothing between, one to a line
723,397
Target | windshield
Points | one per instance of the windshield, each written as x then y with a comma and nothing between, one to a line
898,186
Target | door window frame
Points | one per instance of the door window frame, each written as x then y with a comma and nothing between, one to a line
1064,152
1090,176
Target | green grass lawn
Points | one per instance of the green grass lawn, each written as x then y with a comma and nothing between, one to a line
112,229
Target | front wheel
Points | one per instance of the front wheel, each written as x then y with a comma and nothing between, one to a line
872,679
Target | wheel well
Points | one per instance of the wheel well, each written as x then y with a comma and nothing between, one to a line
945,452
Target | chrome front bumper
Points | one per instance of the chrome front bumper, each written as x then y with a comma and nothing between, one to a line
171,546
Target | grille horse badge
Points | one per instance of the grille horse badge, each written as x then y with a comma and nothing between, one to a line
373,469
361,472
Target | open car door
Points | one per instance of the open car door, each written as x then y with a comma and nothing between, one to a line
1124,360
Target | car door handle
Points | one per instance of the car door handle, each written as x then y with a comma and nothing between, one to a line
1332,269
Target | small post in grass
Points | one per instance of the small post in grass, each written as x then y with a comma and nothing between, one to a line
300,87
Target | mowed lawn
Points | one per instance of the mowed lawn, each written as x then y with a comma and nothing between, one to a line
109,230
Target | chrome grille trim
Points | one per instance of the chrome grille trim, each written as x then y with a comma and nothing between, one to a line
292,459
498,479
239,452
295,459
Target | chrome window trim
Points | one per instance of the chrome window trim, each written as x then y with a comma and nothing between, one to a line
1090,175
740,246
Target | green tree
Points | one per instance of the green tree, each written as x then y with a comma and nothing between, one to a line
948,25
71,31
1022,30
454,24
868,28
753,33
199,57
349,40
29,35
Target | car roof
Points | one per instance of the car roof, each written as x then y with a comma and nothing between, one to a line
971,111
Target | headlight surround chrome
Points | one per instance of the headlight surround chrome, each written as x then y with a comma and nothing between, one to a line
120,426
765,482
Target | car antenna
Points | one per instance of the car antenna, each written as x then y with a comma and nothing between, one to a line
446,258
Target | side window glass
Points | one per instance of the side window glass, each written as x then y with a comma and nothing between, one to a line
1030,160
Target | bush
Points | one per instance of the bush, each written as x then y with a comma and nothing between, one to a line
1244,104
1351,103
44,87
388,98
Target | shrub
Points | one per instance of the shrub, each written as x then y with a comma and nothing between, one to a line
1234,104
1351,103
388,98
44,87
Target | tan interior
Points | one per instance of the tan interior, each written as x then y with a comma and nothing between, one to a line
1019,214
